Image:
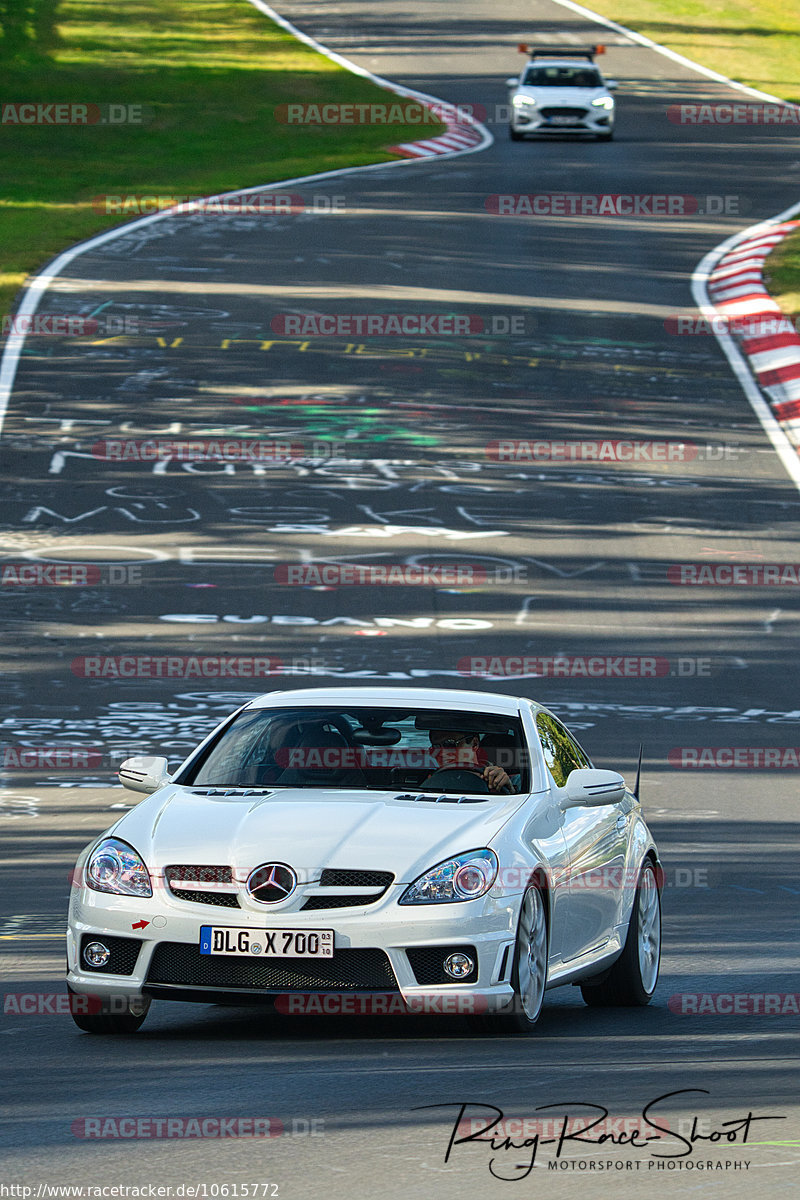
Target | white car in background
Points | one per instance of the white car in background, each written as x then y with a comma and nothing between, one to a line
381,849
561,91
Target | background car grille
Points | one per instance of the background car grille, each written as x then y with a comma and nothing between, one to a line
223,894
577,113
427,963
349,970
124,953
336,877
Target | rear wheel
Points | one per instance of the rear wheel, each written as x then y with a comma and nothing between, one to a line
633,977
108,1016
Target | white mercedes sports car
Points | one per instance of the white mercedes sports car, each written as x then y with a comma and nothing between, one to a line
561,91
369,850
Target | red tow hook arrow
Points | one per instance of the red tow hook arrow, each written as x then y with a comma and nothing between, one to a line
140,925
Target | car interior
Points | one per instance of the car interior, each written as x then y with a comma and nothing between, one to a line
381,749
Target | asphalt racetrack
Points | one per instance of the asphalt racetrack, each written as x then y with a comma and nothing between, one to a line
399,458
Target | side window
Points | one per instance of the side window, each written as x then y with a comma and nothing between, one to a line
561,753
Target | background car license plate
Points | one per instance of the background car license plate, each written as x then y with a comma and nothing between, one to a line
563,120
271,943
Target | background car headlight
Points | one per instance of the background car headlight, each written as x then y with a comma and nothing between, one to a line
603,102
115,867
465,877
526,103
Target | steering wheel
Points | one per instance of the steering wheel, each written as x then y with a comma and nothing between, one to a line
458,777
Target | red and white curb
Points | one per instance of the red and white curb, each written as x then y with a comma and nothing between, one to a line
463,134
458,137
766,336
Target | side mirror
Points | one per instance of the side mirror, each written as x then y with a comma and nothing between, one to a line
612,85
513,81
144,774
590,788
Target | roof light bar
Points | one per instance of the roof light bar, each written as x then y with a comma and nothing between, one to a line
542,51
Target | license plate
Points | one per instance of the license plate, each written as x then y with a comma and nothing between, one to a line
563,120
269,943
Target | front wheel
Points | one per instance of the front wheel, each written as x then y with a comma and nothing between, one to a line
107,1016
605,137
513,134
528,971
633,977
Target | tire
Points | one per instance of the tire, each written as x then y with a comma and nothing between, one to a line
528,971
605,137
512,133
632,979
127,1020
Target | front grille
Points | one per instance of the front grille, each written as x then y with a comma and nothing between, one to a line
578,113
427,963
219,878
343,901
182,964
220,899
122,960
334,877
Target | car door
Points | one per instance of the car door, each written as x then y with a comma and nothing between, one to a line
596,840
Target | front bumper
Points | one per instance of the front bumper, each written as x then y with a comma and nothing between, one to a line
377,952
593,123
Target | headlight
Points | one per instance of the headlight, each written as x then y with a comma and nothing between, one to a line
524,102
115,867
603,102
465,877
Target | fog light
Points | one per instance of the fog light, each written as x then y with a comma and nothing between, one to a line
459,965
96,954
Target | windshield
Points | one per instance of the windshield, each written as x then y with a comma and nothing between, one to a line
578,77
377,748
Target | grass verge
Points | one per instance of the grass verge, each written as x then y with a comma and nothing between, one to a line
752,41
210,76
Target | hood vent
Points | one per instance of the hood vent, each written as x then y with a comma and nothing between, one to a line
445,799
231,791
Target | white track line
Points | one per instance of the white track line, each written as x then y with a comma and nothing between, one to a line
35,289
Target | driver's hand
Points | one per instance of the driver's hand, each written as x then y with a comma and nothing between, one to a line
496,778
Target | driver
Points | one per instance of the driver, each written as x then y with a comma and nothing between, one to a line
457,750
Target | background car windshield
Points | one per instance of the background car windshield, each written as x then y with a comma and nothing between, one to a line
562,77
376,748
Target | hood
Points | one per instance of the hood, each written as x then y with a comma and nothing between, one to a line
309,830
